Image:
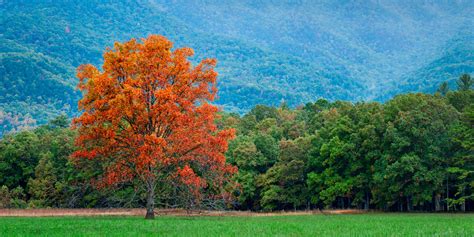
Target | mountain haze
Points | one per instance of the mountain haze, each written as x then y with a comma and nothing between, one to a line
268,52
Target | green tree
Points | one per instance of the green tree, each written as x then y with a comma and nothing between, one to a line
461,164
18,158
42,188
465,82
460,99
284,185
416,146
4,197
443,89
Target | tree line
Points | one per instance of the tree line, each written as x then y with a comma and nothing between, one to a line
414,152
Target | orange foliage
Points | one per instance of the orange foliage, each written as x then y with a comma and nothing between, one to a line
148,114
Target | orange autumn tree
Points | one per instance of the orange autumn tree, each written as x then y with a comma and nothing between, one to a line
147,116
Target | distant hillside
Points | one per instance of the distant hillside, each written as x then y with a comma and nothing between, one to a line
268,53
380,44
457,57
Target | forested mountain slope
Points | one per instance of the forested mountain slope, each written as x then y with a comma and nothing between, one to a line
381,44
267,52
455,58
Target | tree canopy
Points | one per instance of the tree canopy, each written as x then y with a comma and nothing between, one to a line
148,117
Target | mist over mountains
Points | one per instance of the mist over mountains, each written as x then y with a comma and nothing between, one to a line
268,51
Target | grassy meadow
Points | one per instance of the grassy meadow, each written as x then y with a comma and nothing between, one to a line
305,225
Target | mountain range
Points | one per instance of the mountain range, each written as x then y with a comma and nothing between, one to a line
268,52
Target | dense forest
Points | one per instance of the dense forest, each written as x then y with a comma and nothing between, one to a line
268,52
414,152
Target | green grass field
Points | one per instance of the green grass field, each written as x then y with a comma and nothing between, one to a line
310,225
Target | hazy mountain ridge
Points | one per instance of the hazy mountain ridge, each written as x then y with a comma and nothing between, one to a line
456,57
375,41
268,53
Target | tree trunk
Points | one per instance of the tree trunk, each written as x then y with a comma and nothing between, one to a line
409,204
463,205
447,194
150,201
367,201
438,202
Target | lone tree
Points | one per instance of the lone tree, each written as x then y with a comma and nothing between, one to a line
465,82
147,116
